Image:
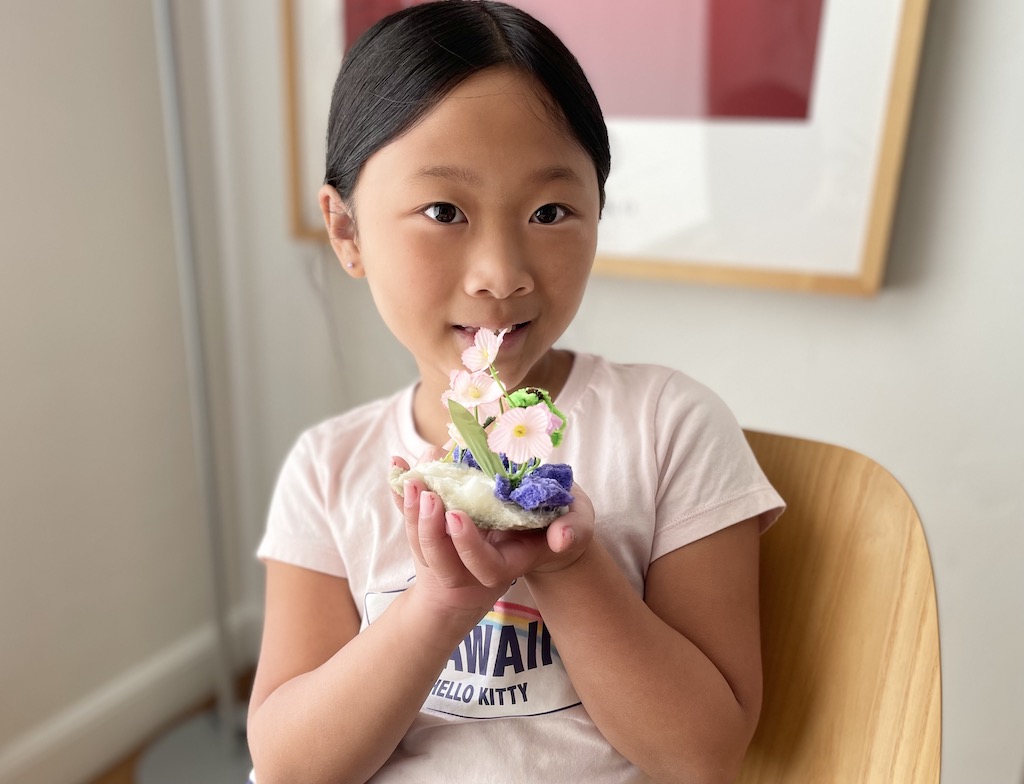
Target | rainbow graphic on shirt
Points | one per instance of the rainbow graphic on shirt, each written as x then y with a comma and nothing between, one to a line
506,666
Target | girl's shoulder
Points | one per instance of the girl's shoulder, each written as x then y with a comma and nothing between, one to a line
639,379
645,392
368,425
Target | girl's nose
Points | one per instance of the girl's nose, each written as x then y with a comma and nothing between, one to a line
498,267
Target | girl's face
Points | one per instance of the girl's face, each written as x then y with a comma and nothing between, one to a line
482,216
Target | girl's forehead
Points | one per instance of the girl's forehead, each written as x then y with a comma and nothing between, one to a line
485,110
493,88
498,79
496,130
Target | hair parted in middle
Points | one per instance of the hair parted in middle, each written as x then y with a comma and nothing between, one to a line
404,65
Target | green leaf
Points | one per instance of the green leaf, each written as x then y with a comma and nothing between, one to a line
476,439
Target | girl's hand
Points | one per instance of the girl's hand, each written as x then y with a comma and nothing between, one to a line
463,569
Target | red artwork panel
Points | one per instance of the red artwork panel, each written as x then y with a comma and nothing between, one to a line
752,59
360,15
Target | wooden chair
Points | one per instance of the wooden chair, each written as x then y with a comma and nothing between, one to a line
850,633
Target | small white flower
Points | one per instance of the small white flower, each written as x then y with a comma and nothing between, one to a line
484,350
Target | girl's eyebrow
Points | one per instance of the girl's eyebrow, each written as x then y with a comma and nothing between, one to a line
442,172
467,177
556,174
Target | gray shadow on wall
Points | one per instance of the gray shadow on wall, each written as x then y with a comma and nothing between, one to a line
923,173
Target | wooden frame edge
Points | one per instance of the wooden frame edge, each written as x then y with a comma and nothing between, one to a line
889,167
299,228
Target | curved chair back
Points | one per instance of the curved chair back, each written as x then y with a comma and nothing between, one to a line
849,626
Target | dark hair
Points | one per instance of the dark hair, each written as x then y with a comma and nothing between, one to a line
400,68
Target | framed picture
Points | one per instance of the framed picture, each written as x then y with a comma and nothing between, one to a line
754,142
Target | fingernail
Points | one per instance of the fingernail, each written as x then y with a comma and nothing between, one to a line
568,536
453,523
426,504
409,494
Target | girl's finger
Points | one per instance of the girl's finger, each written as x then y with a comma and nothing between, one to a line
402,464
489,565
410,506
575,527
438,552
560,535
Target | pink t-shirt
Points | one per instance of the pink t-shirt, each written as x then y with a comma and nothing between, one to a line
665,464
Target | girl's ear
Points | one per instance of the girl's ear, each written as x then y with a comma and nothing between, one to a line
341,230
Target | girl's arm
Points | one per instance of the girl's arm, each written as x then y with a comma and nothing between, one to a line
672,680
329,703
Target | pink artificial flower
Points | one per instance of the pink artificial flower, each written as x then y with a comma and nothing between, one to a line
484,350
554,423
522,433
477,392
455,437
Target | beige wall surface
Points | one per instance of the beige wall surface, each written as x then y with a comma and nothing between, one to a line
104,590
102,564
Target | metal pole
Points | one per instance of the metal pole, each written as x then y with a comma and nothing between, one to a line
196,364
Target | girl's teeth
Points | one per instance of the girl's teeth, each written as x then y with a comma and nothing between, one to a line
474,330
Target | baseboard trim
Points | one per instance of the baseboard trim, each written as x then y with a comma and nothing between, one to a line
87,737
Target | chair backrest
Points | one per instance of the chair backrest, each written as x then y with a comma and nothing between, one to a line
849,626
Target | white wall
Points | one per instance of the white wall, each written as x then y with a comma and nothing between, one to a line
104,590
927,377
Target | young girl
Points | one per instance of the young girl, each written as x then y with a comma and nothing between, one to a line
466,163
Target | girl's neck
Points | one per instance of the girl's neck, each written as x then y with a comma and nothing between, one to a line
431,418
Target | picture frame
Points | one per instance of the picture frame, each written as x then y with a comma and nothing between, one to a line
800,201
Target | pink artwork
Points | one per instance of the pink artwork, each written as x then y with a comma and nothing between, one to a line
652,59
360,15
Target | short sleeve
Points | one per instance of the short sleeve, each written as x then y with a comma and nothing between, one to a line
298,531
710,478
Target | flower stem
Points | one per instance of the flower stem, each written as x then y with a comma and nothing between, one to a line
494,374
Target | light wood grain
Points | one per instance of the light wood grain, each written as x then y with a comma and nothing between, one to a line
850,631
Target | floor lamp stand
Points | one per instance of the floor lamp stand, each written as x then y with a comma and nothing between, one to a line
210,747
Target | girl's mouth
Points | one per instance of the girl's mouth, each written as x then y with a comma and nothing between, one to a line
508,330
514,335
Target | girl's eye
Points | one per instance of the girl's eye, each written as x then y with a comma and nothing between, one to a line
550,213
442,212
